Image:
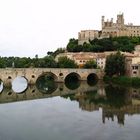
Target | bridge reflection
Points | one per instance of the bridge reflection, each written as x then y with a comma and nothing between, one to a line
115,102
32,92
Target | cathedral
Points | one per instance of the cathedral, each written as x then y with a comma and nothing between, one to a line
109,29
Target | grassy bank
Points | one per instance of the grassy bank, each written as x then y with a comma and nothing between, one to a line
123,80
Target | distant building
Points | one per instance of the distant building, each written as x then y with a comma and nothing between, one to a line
80,58
110,28
137,50
86,35
133,63
100,58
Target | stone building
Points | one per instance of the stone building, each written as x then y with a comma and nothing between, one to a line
110,28
82,57
119,28
133,63
86,35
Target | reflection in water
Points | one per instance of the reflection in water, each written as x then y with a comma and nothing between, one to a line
116,96
46,84
72,85
83,113
1,86
19,84
92,79
92,82
115,101
72,81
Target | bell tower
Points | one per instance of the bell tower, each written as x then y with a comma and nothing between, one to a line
103,24
120,19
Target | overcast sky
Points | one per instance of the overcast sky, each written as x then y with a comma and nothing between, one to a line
29,27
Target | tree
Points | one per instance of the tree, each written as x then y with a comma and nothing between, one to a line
58,51
36,56
115,64
90,64
72,45
50,62
23,62
49,53
86,47
2,63
64,62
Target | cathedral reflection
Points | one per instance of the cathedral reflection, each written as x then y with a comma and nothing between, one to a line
116,102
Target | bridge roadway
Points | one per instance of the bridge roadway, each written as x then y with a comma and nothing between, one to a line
7,75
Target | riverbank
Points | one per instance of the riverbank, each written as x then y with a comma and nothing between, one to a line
123,80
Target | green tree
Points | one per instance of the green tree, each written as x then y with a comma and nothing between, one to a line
2,63
72,45
122,43
22,62
50,62
64,62
86,47
90,64
115,64
49,53
55,53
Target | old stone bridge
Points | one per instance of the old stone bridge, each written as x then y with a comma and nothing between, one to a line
7,75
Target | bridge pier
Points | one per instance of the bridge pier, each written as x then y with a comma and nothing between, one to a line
7,83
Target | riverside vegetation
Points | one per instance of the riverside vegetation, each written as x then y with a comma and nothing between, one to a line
115,71
123,80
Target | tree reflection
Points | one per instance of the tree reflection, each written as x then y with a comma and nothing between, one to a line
69,96
116,96
94,97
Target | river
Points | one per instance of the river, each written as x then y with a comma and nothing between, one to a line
74,111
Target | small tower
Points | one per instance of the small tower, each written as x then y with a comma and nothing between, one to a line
120,19
103,24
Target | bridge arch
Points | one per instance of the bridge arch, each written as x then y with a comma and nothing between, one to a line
46,83
48,75
1,86
22,82
72,76
72,80
92,79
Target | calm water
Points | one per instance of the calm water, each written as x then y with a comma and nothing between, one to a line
61,112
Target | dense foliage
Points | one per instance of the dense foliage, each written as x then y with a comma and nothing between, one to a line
45,62
90,64
64,62
123,80
106,44
55,53
116,96
25,62
115,64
